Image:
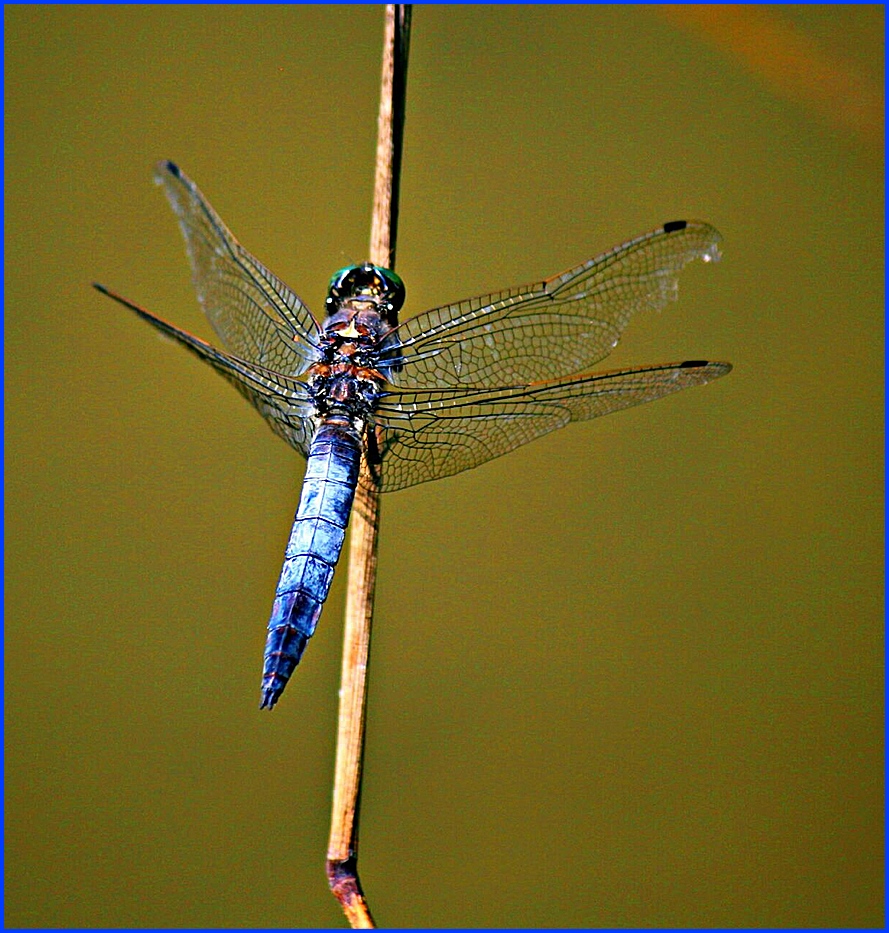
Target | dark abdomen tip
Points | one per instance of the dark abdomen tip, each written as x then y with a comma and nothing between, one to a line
270,696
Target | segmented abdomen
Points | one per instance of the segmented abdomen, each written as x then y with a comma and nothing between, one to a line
312,552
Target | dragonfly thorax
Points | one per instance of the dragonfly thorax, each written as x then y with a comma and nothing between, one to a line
346,389
354,322
346,380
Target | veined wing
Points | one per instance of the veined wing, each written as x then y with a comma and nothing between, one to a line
255,314
552,328
283,401
428,434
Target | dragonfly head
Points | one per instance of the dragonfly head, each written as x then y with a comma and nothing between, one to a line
370,283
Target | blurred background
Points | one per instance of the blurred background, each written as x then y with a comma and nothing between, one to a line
630,675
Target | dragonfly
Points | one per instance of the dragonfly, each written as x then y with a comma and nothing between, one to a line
420,399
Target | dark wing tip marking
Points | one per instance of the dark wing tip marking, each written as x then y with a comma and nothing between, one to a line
673,225
166,168
716,369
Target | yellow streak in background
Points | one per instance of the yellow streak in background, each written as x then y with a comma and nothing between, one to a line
791,63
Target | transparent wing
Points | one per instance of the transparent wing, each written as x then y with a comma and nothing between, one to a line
281,400
553,328
257,317
429,434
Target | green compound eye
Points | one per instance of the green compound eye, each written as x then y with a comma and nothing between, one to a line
336,279
367,280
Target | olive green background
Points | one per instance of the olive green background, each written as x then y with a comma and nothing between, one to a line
630,675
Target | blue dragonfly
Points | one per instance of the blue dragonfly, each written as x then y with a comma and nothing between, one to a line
437,394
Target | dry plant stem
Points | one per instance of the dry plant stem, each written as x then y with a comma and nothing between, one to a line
342,849
390,134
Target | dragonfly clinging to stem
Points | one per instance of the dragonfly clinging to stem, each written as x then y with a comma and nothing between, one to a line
439,393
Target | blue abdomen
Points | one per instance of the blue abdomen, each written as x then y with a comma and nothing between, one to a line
312,552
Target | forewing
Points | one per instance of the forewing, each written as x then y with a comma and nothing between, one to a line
283,401
553,328
426,435
255,314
